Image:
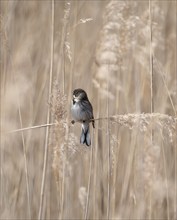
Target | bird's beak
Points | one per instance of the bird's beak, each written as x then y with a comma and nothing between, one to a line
75,99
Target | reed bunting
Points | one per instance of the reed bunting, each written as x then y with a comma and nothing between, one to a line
82,112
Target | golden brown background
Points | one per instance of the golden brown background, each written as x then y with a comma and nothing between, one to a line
123,53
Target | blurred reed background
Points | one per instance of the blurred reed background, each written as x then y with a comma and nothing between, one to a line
123,53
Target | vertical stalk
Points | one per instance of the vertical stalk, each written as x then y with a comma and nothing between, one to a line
175,200
95,204
108,187
89,182
24,148
61,69
166,180
25,160
48,118
64,181
152,98
151,57
116,155
61,62
2,114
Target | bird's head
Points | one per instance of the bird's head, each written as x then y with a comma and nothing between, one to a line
79,95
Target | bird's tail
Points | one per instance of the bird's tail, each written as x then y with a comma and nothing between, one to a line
85,135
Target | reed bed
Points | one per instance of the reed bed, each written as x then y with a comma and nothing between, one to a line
123,54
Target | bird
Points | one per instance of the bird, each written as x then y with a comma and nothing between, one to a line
82,111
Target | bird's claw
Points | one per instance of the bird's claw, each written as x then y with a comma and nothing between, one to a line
72,122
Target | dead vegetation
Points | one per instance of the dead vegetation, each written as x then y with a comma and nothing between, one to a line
123,53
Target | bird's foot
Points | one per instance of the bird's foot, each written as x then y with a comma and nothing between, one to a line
72,122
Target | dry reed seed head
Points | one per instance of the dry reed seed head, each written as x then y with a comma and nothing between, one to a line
143,35
83,21
73,146
58,104
114,143
68,48
147,121
167,125
119,25
67,9
132,120
3,35
57,165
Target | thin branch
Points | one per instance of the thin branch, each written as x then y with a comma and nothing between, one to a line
32,127
48,119
113,118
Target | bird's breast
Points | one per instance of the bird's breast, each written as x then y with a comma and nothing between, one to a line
80,112
76,111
